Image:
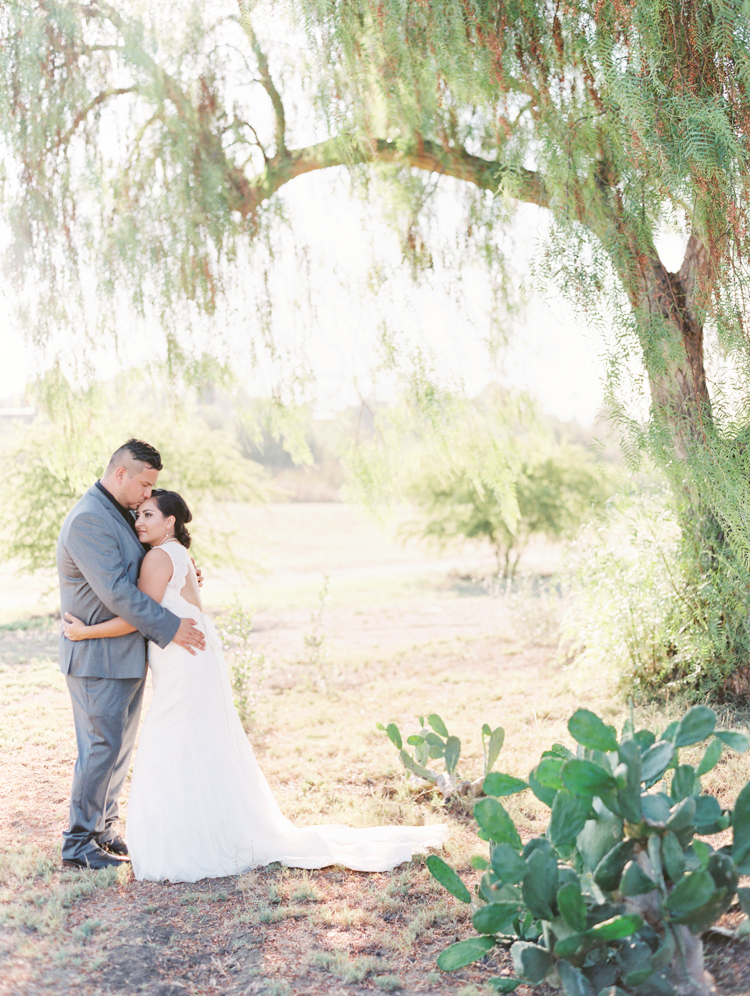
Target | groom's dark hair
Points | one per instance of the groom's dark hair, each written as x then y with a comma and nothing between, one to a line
139,451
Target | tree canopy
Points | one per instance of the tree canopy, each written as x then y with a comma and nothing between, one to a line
141,154
146,146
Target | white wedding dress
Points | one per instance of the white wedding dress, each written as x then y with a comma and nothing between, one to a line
200,807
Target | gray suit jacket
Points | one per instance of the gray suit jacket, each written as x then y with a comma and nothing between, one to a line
98,557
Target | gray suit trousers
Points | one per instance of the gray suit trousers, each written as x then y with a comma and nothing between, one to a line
105,713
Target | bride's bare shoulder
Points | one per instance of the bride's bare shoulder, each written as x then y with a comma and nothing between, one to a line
157,561
157,553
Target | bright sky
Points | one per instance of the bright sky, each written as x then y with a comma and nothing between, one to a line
324,311
551,354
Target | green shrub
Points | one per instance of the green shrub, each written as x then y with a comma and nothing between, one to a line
614,897
641,605
554,492
489,469
52,461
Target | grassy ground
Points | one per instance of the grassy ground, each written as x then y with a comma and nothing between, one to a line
400,636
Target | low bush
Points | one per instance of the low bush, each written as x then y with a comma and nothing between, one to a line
613,899
642,605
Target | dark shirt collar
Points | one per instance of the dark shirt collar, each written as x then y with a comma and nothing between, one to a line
124,512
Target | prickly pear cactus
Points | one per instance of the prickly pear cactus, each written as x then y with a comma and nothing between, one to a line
614,898
435,743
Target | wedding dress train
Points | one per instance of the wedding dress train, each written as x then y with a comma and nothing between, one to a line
200,806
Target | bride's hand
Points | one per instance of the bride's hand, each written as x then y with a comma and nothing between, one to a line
73,627
198,574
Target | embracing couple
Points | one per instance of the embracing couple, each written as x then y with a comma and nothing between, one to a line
200,806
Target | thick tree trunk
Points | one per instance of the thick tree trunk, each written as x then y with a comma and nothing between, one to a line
669,310
670,329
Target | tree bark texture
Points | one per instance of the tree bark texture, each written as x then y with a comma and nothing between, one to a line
671,336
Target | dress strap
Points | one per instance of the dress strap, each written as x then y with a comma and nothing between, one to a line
180,562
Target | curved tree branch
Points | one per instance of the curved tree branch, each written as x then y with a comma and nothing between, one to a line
246,194
84,112
487,174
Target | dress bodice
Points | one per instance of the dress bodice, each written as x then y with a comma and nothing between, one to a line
180,563
172,599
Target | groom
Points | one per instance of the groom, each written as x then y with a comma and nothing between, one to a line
98,558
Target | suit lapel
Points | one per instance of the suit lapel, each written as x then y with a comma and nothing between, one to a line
111,510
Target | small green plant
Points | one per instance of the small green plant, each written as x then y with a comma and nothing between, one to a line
315,638
248,668
389,983
614,898
87,929
434,743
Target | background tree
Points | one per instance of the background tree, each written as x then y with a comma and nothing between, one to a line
617,118
52,461
555,487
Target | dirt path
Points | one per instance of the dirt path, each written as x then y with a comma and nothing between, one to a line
220,937
281,932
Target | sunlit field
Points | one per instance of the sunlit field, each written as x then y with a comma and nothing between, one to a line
356,629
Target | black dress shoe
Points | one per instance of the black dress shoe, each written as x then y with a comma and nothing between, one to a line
115,846
93,857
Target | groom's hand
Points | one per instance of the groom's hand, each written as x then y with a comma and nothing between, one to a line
189,636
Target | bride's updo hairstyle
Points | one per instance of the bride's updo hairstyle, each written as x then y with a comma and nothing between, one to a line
170,503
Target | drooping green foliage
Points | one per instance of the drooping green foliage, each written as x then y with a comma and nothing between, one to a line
120,176
150,153
139,161
611,115
614,897
641,610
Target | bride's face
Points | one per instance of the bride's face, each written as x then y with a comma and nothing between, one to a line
150,524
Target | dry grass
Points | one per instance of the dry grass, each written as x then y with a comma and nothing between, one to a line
420,645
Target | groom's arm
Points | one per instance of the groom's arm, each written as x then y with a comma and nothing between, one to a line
97,555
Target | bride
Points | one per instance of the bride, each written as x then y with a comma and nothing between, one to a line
200,806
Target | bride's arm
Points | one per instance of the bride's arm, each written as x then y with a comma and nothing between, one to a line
75,629
156,570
